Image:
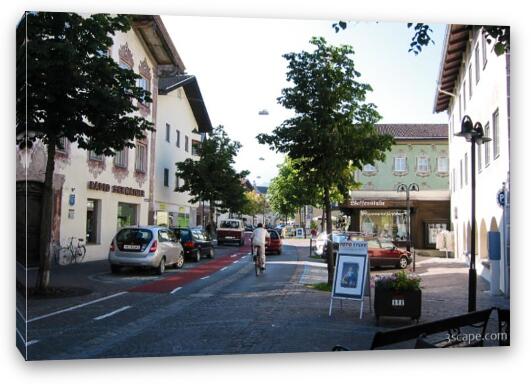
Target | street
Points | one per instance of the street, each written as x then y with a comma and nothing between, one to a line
219,307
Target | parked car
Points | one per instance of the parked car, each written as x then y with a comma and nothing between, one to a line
230,231
196,242
249,228
382,252
147,247
274,245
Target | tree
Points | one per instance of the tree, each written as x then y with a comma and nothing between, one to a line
254,204
422,38
212,178
332,132
67,87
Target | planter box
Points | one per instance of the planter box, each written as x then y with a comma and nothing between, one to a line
396,303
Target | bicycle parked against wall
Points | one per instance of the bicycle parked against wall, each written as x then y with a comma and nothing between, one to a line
68,254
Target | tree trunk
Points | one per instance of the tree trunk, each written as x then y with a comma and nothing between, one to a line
211,223
323,220
43,276
330,247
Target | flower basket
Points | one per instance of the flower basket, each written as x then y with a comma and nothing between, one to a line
397,295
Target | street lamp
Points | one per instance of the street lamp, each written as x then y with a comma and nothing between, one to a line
413,187
474,134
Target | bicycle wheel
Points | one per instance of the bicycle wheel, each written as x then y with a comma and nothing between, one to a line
64,257
80,253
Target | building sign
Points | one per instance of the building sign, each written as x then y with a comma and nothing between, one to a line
96,186
368,203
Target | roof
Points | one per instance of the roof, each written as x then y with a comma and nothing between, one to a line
414,131
262,190
158,40
454,48
193,94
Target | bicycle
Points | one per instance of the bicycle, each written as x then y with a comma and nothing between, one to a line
69,254
256,259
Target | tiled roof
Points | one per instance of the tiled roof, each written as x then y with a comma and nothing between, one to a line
414,131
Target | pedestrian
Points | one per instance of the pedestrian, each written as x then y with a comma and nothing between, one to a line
260,234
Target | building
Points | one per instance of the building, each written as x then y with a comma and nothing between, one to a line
474,81
420,156
95,195
181,124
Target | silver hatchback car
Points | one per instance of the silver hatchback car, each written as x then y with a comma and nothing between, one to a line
145,246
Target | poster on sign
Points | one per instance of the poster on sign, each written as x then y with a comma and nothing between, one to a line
350,277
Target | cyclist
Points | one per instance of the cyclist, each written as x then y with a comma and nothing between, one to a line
260,234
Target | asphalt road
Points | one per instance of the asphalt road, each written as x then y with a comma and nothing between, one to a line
215,307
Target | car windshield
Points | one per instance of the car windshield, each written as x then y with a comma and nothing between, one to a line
134,236
387,244
273,234
183,234
230,224
198,234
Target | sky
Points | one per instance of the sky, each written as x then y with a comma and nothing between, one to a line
240,69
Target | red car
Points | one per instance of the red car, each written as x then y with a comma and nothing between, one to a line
275,243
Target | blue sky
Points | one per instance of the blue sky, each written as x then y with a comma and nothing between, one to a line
240,69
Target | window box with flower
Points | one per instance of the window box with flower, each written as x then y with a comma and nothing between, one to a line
397,295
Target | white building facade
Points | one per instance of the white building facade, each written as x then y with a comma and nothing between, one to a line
95,195
474,81
182,122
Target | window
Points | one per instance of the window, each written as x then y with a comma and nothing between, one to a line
63,145
120,158
400,164
442,164
470,81
168,132
141,157
195,147
94,156
480,162
464,96
461,172
93,221
186,143
178,138
127,215
484,48
143,83
423,164
495,134
177,183
369,168
476,60
166,177
466,168
487,145
460,110
453,179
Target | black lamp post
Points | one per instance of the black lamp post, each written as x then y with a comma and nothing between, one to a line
413,187
474,134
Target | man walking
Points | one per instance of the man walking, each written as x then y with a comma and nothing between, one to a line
260,234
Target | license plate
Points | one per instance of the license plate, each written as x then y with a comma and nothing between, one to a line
229,237
132,247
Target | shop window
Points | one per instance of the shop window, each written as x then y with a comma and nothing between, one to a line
93,221
384,224
120,158
127,215
141,158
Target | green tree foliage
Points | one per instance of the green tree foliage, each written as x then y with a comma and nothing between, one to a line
212,178
254,203
67,87
332,131
422,36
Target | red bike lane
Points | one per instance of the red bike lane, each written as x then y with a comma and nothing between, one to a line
184,277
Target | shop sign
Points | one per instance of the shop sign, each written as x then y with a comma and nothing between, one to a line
368,203
96,186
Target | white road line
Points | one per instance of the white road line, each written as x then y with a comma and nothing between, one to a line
234,255
20,314
222,269
28,343
175,290
205,277
76,307
234,262
112,313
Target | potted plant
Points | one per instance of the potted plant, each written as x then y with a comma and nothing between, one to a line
398,294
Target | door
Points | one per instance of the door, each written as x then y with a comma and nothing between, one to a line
165,246
28,222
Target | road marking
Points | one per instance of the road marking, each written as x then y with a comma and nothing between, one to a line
112,313
205,277
175,290
234,262
222,269
26,343
20,314
234,255
76,307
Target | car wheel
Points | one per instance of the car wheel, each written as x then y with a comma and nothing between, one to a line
197,257
180,261
162,266
211,253
115,268
403,262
